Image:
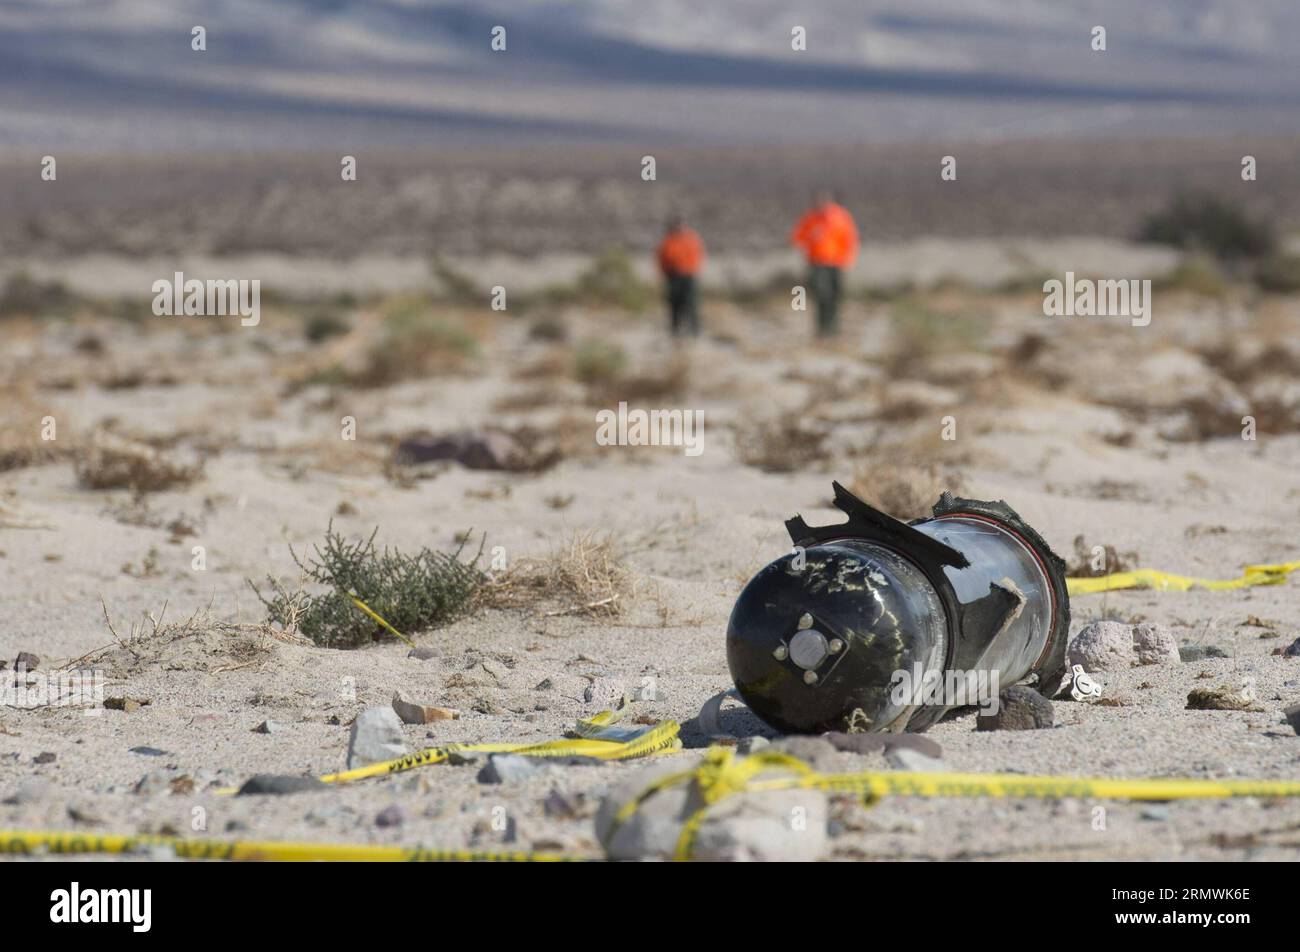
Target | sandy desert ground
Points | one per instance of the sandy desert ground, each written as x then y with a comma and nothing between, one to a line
1098,432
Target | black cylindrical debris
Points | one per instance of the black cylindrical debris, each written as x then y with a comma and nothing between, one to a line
880,625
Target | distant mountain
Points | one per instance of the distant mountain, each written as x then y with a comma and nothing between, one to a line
120,74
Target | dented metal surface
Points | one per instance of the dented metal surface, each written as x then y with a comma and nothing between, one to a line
854,628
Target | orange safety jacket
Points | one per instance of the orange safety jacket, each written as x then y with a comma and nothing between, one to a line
827,236
681,253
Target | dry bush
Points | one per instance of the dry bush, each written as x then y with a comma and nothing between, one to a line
569,436
903,489
556,362
1207,223
531,399
920,329
552,329
110,461
581,576
1198,275
602,370
199,643
667,381
412,349
21,295
404,342
20,435
781,445
598,363
1085,558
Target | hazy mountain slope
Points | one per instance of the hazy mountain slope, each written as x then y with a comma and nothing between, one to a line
113,73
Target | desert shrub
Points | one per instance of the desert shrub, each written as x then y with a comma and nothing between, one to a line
753,294
781,445
24,296
454,285
1030,281
663,381
410,592
1198,274
550,329
1206,223
919,331
903,489
414,344
610,280
597,362
20,432
325,323
1279,274
1084,562
110,461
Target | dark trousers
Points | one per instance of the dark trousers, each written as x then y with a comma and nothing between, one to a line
824,283
683,306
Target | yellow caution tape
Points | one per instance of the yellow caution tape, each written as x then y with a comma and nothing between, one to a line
26,842
657,739
722,774
598,737
1167,581
375,615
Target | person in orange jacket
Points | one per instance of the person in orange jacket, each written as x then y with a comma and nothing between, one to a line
680,256
829,240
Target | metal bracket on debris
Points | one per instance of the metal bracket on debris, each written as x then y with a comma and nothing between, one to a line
710,719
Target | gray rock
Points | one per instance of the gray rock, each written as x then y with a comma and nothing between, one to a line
422,653
1292,715
861,743
154,782
1020,708
509,768
376,737
1292,650
817,752
647,691
1155,644
45,757
83,811
1222,698
604,692
27,660
922,745
391,815
560,805
1103,646
267,727
278,784
30,791
778,825
1200,652
1156,811
332,813
906,758
149,751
